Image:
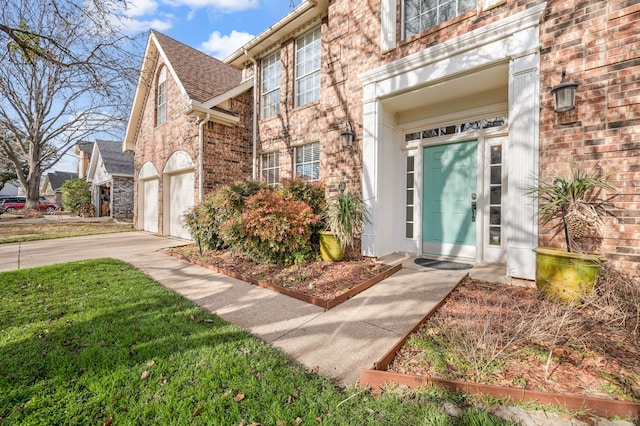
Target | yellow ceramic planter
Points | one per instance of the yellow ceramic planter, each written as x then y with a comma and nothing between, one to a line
330,248
566,276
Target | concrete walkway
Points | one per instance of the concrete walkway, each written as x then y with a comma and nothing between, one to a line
337,342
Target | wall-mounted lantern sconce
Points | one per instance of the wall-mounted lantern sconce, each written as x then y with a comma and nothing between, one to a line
564,94
347,135
347,138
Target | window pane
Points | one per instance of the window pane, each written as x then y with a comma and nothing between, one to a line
408,230
410,180
308,67
410,197
409,214
496,154
410,164
307,159
495,238
496,195
494,215
496,175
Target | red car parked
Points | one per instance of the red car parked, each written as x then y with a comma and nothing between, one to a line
13,204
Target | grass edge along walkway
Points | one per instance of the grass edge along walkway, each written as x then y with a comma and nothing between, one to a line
98,342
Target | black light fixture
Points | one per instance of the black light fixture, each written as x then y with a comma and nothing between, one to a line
564,94
347,138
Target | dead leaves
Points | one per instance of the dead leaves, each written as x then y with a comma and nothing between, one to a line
144,374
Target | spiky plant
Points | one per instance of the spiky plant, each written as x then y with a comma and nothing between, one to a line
580,193
345,214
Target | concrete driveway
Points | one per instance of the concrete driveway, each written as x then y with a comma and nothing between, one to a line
123,245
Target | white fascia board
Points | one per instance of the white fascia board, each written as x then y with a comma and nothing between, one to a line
93,163
214,115
472,40
148,63
307,11
241,88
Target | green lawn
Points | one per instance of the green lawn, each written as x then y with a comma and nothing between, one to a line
98,342
13,231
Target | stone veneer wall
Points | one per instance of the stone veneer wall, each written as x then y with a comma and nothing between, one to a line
598,43
122,198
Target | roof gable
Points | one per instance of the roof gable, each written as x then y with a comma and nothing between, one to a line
116,162
200,77
56,179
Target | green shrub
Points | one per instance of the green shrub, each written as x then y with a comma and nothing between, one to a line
311,193
274,228
75,192
204,220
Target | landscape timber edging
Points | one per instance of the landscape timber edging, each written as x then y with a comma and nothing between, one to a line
377,377
326,304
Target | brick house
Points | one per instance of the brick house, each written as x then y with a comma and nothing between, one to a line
110,174
450,104
189,130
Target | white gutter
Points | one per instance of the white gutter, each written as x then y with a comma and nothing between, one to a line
201,149
254,158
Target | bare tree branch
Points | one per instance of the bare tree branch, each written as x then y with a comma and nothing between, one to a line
68,73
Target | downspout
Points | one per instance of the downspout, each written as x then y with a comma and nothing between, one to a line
254,159
204,121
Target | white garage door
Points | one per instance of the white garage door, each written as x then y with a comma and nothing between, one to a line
181,195
149,212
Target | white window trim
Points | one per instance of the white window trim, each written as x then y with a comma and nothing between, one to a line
314,161
263,169
264,94
297,77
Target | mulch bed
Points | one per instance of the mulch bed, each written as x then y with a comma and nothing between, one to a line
606,363
325,284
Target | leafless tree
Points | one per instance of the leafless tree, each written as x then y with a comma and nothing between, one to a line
66,73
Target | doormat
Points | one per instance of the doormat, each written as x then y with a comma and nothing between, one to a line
442,264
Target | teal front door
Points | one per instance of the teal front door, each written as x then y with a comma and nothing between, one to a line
449,188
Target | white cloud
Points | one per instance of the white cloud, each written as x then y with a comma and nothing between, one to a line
221,46
221,5
133,26
141,7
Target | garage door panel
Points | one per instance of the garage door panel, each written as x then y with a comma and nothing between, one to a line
181,198
150,205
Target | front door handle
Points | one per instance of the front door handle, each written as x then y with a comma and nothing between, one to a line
474,207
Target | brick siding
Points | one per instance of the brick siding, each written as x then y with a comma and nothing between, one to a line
596,41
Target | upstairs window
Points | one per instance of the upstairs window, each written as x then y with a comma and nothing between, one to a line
271,85
308,67
161,107
420,15
308,161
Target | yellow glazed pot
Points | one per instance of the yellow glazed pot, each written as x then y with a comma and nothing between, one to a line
566,276
330,248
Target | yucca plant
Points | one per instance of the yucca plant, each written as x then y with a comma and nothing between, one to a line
345,214
575,200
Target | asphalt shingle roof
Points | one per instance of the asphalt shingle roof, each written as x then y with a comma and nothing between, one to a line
115,160
56,179
202,76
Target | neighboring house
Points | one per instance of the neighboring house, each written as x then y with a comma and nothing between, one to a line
189,110
110,173
10,188
52,186
452,114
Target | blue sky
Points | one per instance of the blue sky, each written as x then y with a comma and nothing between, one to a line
217,27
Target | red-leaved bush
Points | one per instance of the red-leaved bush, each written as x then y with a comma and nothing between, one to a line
273,228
